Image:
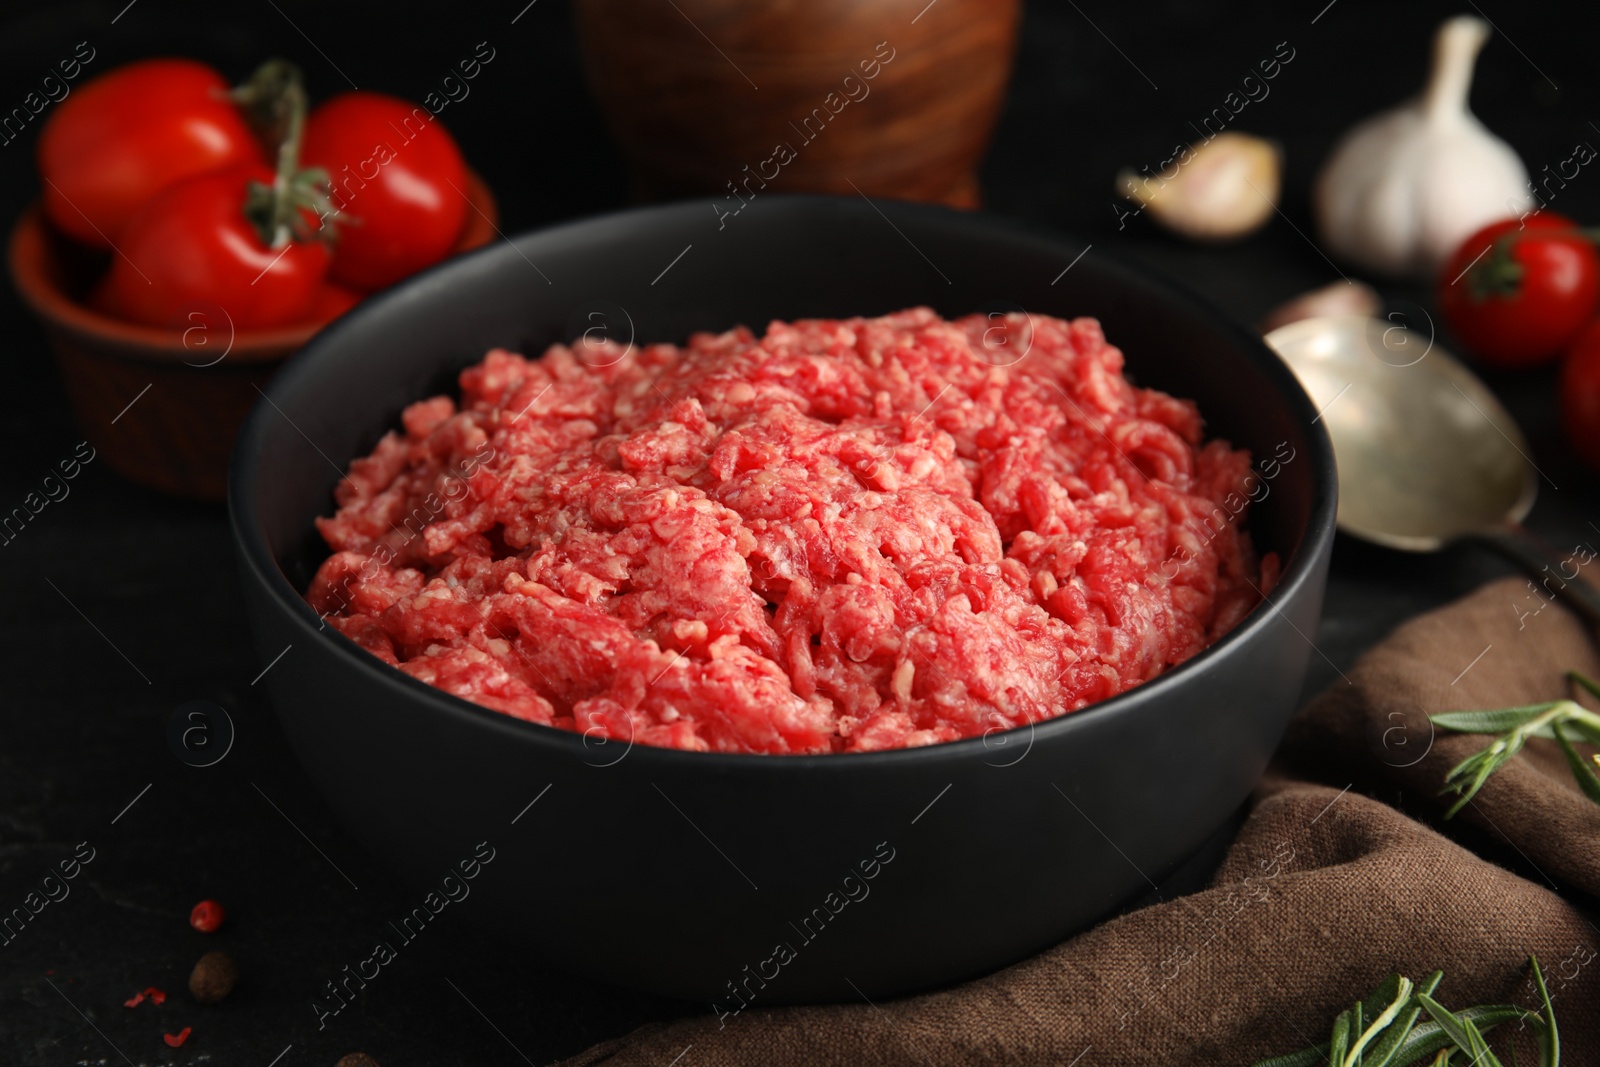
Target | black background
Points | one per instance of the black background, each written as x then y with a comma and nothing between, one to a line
82,732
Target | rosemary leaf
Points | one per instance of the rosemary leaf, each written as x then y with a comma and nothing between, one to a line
1468,776
1580,768
1448,1022
1584,682
1315,1056
1586,730
1339,1043
1379,1021
1382,995
1493,721
1392,1051
1549,1037
1429,1037
1478,1048
1385,1050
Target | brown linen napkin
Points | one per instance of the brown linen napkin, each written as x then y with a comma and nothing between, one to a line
1325,891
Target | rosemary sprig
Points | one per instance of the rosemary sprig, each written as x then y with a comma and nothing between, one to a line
1554,719
1395,1037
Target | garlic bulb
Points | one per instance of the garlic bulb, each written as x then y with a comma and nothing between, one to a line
1223,188
1403,189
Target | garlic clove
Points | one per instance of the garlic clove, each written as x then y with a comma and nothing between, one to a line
1339,298
1402,189
1224,188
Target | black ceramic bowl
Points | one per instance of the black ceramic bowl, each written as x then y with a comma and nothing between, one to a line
708,875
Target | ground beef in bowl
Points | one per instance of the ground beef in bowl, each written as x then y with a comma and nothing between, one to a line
841,536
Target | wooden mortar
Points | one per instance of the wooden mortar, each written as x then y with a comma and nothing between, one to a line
703,95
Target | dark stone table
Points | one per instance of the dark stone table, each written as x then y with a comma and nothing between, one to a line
121,604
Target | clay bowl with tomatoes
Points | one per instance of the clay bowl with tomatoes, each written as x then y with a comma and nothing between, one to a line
178,253
677,871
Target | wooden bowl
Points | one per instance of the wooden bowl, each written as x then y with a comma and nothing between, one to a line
162,405
704,95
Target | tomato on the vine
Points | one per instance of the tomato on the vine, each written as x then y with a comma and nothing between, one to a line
122,138
398,181
1518,291
194,247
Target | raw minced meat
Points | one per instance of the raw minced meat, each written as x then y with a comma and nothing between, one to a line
840,536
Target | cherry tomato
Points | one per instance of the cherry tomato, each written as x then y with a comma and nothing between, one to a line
331,301
398,181
1580,395
1517,292
120,139
192,248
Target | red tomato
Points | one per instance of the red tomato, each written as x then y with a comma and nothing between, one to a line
192,248
122,138
332,301
1580,395
1516,293
398,182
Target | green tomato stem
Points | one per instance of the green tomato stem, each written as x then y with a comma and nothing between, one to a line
275,98
283,205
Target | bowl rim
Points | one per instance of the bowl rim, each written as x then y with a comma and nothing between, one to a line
155,344
250,540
